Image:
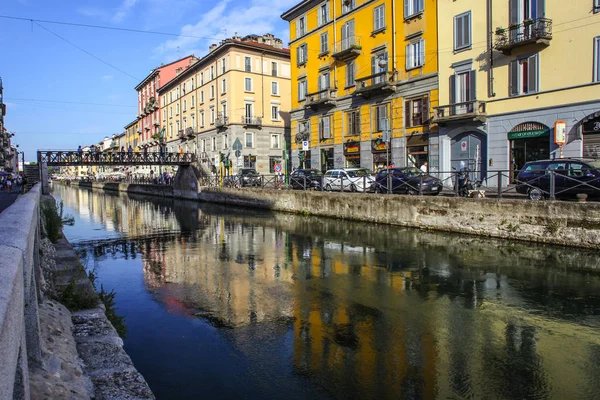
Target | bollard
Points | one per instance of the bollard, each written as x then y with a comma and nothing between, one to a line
304,181
499,184
421,185
552,185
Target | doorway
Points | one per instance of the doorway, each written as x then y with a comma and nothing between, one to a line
468,150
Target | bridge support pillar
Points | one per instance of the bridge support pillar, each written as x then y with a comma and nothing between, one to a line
44,178
186,183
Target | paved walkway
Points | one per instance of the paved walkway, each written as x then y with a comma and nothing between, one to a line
6,199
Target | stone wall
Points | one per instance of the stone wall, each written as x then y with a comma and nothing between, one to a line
557,222
151,190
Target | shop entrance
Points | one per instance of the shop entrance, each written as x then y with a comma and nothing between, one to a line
326,159
529,141
352,154
591,136
417,147
468,150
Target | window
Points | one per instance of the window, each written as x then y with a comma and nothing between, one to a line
248,64
193,121
412,7
379,18
201,76
171,111
183,87
325,128
212,92
275,141
224,110
192,84
223,86
596,5
249,111
350,76
304,128
226,141
184,105
463,92
249,139
348,5
248,84
275,113
348,38
274,88
302,90
177,109
170,130
381,117
223,65
324,81
214,143
202,97
202,119
301,26
597,58
416,112
462,31
302,54
193,102
184,123
323,15
164,114
212,72
212,115
353,123
170,97
274,69
524,76
415,54
379,65
324,43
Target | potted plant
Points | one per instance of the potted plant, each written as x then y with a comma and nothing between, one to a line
500,31
513,26
356,46
528,22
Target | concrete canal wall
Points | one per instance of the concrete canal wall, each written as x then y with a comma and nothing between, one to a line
555,222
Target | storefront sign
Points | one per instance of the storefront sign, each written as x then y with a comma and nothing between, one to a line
352,148
592,126
560,133
378,146
527,134
463,146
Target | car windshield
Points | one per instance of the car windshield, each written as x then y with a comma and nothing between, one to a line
312,172
248,171
411,171
357,173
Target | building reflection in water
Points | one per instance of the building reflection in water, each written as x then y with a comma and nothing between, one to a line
375,312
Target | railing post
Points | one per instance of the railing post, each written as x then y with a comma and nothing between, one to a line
342,183
304,181
552,185
499,184
421,185
389,182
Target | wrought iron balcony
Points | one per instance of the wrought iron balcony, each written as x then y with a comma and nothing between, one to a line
374,84
302,136
322,98
220,122
530,31
347,48
181,134
469,110
252,121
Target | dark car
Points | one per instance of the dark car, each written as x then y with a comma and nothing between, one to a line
407,180
306,179
571,176
248,177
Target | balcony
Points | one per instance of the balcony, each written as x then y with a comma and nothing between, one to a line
460,112
181,134
374,84
190,132
532,31
221,122
252,121
347,48
302,136
155,122
322,98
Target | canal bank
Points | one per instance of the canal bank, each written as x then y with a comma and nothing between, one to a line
552,222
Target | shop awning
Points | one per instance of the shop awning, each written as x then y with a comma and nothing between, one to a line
528,134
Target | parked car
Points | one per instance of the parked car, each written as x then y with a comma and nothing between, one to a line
248,177
571,176
407,181
348,180
306,179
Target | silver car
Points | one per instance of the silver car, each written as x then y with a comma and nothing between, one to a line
348,180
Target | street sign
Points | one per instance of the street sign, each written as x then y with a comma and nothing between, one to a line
305,145
560,133
277,167
238,153
217,160
237,145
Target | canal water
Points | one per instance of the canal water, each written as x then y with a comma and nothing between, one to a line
239,303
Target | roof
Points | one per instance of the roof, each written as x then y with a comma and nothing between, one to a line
157,70
131,123
291,13
213,54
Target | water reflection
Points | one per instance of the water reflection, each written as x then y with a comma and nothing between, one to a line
364,311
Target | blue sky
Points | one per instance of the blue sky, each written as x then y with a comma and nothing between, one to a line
47,81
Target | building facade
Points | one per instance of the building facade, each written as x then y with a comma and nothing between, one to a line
132,137
149,129
231,107
509,70
364,82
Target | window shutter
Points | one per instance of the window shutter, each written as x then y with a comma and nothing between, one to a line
351,31
321,133
406,8
458,34
407,119
513,7
472,85
533,74
357,122
421,55
305,52
424,110
540,9
514,78
409,58
297,28
326,126
452,89
319,16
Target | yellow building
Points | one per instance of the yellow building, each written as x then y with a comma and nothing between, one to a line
236,95
508,71
359,68
131,134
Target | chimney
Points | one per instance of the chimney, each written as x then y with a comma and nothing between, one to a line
212,47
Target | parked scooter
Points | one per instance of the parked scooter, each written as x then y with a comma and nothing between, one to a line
467,187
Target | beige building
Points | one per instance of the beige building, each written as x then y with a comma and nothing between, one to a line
236,95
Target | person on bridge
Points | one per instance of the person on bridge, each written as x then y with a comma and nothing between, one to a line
79,153
130,151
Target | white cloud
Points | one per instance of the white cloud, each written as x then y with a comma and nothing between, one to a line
123,10
107,77
224,20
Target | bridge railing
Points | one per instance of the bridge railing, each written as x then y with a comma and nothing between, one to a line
70,157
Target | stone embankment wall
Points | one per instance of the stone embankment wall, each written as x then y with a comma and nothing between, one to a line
556,222
150,190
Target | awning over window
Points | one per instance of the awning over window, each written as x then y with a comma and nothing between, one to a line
528,130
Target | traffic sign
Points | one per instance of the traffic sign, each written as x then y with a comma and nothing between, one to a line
305,145
238,153
237,145
277,167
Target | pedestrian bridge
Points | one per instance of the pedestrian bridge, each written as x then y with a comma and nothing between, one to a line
66,158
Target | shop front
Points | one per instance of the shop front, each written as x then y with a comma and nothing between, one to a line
529,141
381,154
352,154
468,151
250,161
326,159
591,136
417,150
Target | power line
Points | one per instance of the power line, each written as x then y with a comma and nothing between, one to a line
109,28
67,102
86,52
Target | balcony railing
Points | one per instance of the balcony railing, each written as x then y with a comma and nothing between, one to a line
190,132
220,122
529,31
374,83
470,110
325,97
347,48
181,134
252,121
